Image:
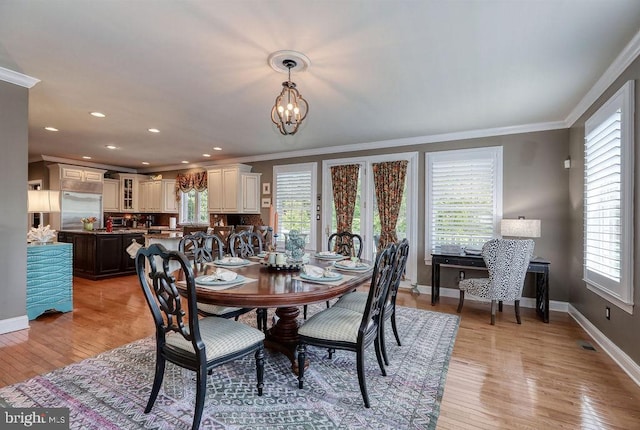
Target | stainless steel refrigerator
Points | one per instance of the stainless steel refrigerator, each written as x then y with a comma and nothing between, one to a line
75,206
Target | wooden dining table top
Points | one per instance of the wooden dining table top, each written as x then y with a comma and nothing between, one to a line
277,288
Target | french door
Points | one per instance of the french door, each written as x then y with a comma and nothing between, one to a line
366,219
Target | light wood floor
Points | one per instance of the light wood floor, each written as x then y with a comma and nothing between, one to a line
507,376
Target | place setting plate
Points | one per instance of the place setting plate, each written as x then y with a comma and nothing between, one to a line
359,267
210,281
331,278
331,256
222,263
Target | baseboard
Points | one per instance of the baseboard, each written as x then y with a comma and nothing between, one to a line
625,362
525,302
14,324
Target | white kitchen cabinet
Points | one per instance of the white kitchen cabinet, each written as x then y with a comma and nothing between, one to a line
233,189
83,174
150,196
169,202
128,199
110,195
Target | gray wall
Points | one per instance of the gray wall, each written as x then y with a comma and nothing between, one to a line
623,328
536,185
13,195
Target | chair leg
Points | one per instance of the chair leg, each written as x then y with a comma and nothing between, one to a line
461,301
304,311
500,305
261,319
394,326
260,369
361,380
378,348
328,304
493,312
302,352
383,344
517,306
201,391
157,383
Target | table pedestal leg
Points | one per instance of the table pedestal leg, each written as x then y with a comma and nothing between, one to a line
283,336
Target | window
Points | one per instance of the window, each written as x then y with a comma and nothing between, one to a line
464,197
608,199
294,200
193,207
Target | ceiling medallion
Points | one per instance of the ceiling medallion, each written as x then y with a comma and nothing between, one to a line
290,108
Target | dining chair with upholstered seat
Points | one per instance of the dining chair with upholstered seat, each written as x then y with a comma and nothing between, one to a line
223,232
507,261
245,244
345,329
182,338
203,248
356,300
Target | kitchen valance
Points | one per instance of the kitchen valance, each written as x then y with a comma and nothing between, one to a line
186,182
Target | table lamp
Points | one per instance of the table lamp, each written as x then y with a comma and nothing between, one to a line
42,201
520,227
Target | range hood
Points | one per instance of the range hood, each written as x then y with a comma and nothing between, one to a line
81,186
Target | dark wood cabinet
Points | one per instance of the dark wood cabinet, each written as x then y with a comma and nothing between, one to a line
100,255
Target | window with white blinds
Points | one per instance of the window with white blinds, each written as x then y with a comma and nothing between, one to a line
464,197
608,199
294,198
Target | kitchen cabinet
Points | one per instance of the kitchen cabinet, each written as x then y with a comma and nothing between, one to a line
110,195
101,255
128,191
233,189
169,202
82,174
150,196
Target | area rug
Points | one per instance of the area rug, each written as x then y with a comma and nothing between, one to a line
110,391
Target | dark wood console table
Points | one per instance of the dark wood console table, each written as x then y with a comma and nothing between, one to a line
537,266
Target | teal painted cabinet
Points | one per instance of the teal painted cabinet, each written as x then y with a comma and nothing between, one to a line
49,278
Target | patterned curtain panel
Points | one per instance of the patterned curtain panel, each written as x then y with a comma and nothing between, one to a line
345,191
186,182
389,184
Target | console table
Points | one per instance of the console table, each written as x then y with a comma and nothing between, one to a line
537,266
49,278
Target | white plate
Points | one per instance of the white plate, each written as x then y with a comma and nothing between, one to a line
330,256
321,278
223,264
360,267
202,280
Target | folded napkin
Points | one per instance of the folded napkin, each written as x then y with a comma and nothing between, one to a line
348,263
221,275
232,260
319,272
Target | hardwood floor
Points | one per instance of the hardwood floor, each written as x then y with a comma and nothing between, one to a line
507,376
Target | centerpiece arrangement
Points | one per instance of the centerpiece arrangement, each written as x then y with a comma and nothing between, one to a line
87,223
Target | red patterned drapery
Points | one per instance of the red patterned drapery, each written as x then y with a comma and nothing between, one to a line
345,191
186,182
389,179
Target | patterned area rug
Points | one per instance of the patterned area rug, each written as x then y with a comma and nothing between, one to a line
111,390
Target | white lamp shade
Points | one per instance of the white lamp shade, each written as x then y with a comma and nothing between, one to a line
520,227
43,201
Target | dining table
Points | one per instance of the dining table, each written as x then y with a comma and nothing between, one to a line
285,289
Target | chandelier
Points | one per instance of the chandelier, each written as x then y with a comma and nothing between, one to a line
290,108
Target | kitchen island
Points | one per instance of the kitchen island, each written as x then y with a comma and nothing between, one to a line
102,254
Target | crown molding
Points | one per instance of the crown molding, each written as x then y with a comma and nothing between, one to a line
17,78
87,164
613,72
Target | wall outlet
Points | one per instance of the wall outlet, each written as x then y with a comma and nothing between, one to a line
607,312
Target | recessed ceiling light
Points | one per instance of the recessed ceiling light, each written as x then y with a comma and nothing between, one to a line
51,129
184,162
86,157
146,163
111,147
206,155
217,148
154,130
98,114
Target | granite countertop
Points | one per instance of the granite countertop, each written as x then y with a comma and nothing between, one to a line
165,235
121,231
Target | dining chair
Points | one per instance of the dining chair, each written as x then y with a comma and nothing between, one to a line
239,228
356,300
345,329
507,261
245,244
345,243
223,232
182,338
203,248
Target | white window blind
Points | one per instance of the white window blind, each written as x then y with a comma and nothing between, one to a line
463,196
608,156
294,199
